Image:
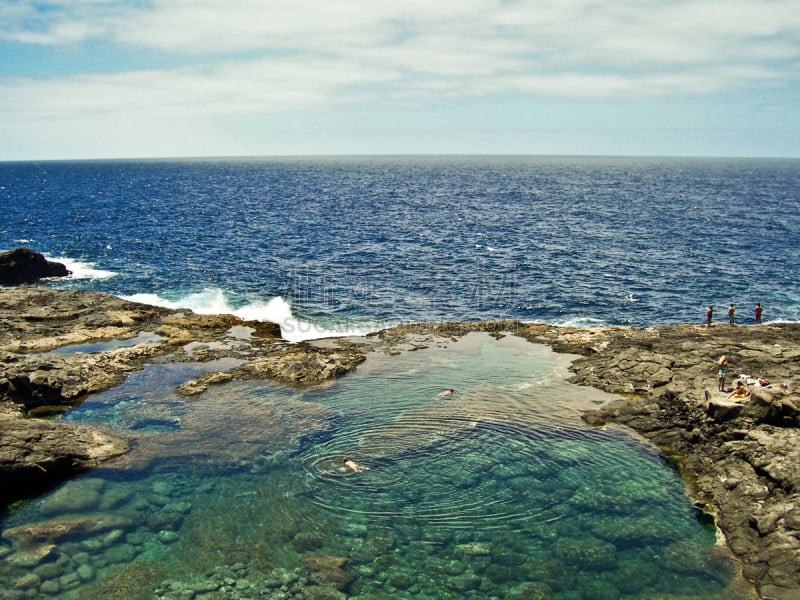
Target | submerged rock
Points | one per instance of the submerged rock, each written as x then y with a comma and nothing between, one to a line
35,454
77,496
61,529
33,556
328,570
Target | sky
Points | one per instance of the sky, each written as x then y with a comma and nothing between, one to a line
180,78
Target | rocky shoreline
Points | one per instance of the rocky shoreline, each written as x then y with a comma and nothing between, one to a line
741,462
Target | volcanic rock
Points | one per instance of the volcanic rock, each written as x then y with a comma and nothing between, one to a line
23,265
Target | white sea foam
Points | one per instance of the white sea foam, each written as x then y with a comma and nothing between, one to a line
81,269
277,310
580,322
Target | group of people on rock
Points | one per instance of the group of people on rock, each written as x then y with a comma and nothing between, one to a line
758,312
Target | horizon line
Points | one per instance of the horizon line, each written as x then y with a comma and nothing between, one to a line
465,155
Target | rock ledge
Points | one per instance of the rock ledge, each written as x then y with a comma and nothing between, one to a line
741,462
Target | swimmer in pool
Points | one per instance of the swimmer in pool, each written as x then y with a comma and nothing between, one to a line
352,465
445,393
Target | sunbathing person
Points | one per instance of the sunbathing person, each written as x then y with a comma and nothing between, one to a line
739,393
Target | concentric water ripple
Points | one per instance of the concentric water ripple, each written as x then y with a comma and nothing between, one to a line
484,457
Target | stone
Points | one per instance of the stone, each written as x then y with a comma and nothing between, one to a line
465,582
121,553
57,530
302,363
50,570
23,265
530,591
35,454
305,541
474,549
316,592
164,489
32,556
721,411
743,459
401,581
167,536
328,570
69,581
114,498
75,496
586,552
50,587
27,582
86,572
197,386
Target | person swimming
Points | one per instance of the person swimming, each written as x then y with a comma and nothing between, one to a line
445,393
352,465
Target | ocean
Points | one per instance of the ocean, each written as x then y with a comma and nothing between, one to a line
334,245
499,492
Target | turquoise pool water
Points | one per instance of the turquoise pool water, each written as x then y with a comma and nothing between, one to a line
498,491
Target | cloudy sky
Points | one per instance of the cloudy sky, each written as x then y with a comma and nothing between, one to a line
142,78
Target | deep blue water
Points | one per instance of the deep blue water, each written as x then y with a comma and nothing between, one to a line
373,241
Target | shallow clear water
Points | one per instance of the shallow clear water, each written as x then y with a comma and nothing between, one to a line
499,491
142,338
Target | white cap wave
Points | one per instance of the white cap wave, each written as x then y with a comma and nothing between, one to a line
82,269
277,310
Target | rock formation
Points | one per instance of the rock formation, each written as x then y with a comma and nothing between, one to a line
23,265
741,462
35,381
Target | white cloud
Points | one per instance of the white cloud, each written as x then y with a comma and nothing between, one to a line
251,57
252,86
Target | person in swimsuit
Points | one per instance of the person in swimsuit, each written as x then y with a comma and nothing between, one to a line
445,393
739,393
759,310
352,465
709,315
722,372
731,313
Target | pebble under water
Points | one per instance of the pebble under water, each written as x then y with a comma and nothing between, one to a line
498,491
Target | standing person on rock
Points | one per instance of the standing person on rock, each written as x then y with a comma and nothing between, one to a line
722,372
709,315
759,311
731,313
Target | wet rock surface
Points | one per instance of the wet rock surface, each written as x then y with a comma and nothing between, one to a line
740,461
40,376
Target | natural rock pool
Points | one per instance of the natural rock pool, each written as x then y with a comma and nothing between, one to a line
498,491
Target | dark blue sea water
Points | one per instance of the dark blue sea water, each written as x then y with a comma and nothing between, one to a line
359,243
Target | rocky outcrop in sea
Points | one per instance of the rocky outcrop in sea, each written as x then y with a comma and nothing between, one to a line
739,460
24,265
